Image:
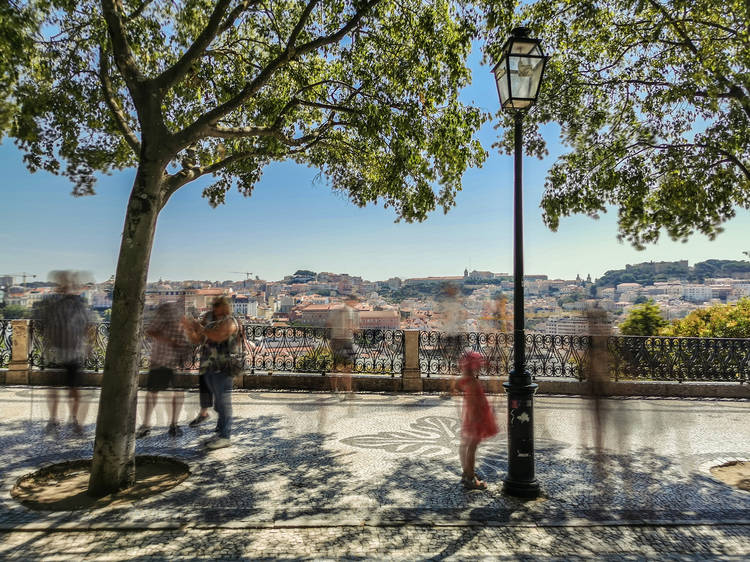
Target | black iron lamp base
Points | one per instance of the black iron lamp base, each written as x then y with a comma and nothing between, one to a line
525,490
521,479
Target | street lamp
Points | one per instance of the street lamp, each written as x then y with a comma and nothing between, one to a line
518,75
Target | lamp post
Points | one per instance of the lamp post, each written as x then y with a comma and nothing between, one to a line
518,76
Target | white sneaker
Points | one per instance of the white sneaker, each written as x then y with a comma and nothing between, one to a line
218,443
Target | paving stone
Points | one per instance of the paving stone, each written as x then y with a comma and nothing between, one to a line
337,479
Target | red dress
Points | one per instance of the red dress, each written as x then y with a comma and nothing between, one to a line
478,418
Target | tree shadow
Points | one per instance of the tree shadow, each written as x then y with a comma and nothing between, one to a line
273,476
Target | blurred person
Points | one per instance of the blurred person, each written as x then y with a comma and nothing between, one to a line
454,317
219,335
65,325
597,375
478,420
343,321
170,350
206,400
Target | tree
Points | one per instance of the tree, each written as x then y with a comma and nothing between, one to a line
17,25
718,321
15,312
366,91
643,320
503,317
653,98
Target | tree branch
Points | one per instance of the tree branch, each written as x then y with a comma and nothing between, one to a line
730,156
301,23
139,10
248,132
121,49
200,127
298,145
235,13
181,67
334,107
245,132
117,112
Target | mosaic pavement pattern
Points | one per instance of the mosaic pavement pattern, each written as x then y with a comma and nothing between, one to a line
376,467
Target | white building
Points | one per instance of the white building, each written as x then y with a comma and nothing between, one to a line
577,326
242,305
628,287
630,296
697,293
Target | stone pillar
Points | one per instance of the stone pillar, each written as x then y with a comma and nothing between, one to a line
18,370
411,376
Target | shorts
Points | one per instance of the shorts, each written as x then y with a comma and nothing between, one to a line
72,374
159,378
343,351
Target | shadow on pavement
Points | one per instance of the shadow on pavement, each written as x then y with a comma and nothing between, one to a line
271,476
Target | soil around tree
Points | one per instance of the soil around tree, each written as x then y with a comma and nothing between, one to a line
64,486
735,473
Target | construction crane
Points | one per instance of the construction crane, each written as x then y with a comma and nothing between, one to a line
22,275
247,275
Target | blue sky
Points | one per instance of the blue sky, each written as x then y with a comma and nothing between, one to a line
293,222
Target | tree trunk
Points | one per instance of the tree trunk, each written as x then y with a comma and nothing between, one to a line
113,466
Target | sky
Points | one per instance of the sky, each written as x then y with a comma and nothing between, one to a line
294,221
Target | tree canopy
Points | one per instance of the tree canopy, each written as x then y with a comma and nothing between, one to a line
718,321
366,91
643,320
653,99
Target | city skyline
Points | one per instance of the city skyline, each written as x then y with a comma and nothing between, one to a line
294,218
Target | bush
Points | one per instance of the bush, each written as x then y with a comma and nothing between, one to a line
643,320
316,361
718,321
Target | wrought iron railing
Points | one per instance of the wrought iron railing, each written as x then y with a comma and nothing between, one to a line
308,350
679,359
546,355
37,345
96,346
6,343
274,349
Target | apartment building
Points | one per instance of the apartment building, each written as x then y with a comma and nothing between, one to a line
577,326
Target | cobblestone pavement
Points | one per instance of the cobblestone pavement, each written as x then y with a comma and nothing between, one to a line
729,542
377,475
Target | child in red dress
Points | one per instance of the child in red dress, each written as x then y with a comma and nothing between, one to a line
478,419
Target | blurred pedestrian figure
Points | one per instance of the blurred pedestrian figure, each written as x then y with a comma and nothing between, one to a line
343,321
478,419
219,335
597,376
170,350
454,317
206,399
65,324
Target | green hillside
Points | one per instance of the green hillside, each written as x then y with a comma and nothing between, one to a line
649,272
